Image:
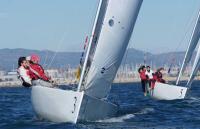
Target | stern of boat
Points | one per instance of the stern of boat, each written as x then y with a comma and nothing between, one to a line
164,91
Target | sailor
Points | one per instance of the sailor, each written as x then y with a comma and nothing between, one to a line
149,74
40,78
143,78
159,75
23,72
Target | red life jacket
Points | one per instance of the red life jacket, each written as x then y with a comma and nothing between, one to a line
142,75
38,72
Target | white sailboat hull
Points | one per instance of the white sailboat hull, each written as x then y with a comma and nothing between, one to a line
163,91
58,105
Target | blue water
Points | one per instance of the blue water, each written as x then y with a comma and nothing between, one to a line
136,111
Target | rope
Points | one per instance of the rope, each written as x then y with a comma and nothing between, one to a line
58,48
188,27
125,60
45,60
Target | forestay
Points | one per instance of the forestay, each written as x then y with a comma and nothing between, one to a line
191,47
117,26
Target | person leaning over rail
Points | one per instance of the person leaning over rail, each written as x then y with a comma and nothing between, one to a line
24,73
40,78
160,75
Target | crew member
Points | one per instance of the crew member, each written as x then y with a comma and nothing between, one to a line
143,78
149,74
23,72
159,75
40,78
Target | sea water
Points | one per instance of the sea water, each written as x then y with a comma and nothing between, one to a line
135,111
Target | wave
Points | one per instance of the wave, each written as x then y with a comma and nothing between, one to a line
145,111
191,100
118,119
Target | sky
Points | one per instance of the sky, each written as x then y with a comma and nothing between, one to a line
62,25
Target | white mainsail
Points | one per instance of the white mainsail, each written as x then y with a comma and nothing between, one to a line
195,67
196,63
191,47
117,26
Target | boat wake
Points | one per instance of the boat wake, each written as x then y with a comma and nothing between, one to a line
127,116
118,119
145,111
193,100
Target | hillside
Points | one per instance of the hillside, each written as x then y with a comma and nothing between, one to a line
9,58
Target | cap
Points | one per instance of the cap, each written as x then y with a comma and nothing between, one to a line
35,58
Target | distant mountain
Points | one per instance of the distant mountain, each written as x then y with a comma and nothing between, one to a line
139,57
52,59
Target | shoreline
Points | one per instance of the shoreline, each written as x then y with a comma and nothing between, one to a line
72,82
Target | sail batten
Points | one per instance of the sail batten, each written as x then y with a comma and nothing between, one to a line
191,47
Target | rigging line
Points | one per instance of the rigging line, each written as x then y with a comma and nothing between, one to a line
185,34
125,59
45,60
126,53
191,20
58,48
188,26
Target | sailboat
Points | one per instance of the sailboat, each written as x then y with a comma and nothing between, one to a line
172,92
113,25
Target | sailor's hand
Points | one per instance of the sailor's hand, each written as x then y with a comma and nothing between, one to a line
51,81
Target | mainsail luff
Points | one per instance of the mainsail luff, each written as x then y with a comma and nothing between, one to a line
92,38
195,67
191,47
115,33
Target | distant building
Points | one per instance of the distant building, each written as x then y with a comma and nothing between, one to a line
9,78
2,73
12,73
53,73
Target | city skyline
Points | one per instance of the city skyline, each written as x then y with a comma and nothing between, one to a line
162,26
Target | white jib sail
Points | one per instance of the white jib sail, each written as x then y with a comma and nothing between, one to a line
191,47
117,26
195,67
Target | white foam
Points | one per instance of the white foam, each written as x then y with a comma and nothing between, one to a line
127,116
193,99
117,119
145,111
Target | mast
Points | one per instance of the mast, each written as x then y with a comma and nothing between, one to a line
89,46
191,47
